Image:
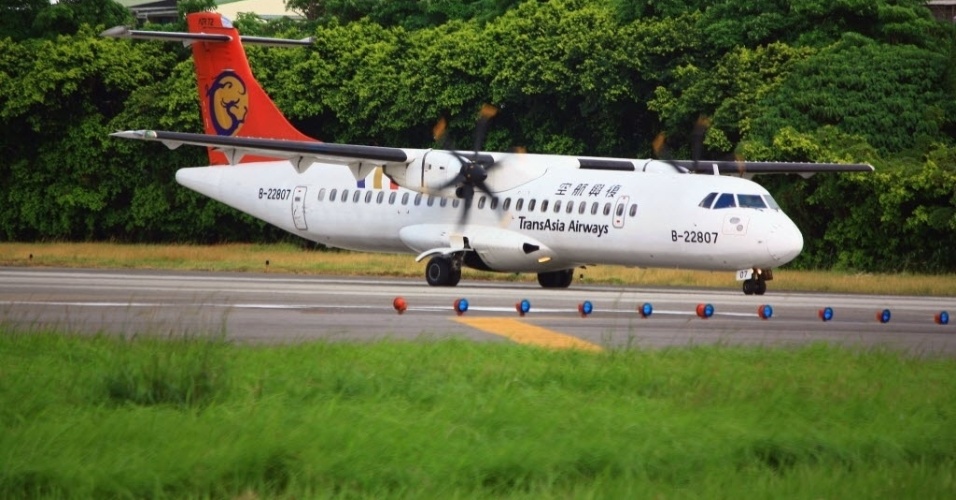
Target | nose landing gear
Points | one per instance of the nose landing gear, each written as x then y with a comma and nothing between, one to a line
757,283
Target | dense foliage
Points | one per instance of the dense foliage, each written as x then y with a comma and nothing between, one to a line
848,80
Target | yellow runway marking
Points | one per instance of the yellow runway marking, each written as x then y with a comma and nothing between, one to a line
524,333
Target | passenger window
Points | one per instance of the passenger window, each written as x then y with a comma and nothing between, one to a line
379,197
443,202
405,199
368,197
544,205
431,200
455,203
620,210
607,209
570,207
356,196
633,211
332,194
391,197
751,201
321,194
557,206
594,208
481,202
494,202
726,200
708,200
506,205
345,195
531,203
582,207
519,204
418,199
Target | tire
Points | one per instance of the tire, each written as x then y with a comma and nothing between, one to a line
761,287
438,272
556,279
455,276
749,287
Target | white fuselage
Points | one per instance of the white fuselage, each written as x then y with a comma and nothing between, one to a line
579,217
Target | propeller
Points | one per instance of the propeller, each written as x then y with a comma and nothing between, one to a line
662,152
474,168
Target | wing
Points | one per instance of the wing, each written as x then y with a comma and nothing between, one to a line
768,167
300,153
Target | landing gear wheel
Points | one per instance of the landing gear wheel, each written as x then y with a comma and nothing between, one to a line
556,279
755,287
441,271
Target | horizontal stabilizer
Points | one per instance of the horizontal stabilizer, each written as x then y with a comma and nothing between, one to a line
190,38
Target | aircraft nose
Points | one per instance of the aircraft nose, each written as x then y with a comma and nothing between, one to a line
785,242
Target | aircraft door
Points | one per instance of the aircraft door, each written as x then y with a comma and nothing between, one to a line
620,211
298,208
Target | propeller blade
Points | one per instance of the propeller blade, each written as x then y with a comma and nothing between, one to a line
697,138
439,130
467,195
484,188
481,128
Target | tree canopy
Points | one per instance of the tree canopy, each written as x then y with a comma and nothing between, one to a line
845,80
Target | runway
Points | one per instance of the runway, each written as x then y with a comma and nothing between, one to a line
288,308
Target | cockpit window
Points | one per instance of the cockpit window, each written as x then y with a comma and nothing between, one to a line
772,202
726,200
751,201
708,200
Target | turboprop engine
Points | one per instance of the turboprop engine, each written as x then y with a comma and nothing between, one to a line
434,173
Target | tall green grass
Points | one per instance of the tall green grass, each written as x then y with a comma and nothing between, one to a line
199,417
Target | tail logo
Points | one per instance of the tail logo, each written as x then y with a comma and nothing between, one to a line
228,103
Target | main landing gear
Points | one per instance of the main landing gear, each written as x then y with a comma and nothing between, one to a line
757,284
556,279
443,271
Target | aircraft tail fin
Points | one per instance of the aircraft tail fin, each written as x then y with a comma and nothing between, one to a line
232,101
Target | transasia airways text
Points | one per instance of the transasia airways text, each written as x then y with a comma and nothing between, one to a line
527,224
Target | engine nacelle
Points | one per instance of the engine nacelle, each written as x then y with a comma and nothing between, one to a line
427,174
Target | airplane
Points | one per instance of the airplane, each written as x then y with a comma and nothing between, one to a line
508,212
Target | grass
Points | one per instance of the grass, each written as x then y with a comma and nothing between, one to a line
287,258
456,419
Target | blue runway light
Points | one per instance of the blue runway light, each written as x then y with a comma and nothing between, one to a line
705,310
646,310
461,306
765,311
585,308
883,316
523,307
826,314
942,318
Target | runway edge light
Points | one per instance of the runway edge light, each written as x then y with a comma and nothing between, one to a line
646,310
523,307
400,305
585,308
883,316
765,311
705,311
826,314
461,306
941,318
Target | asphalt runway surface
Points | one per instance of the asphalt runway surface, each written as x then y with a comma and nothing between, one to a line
250,307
